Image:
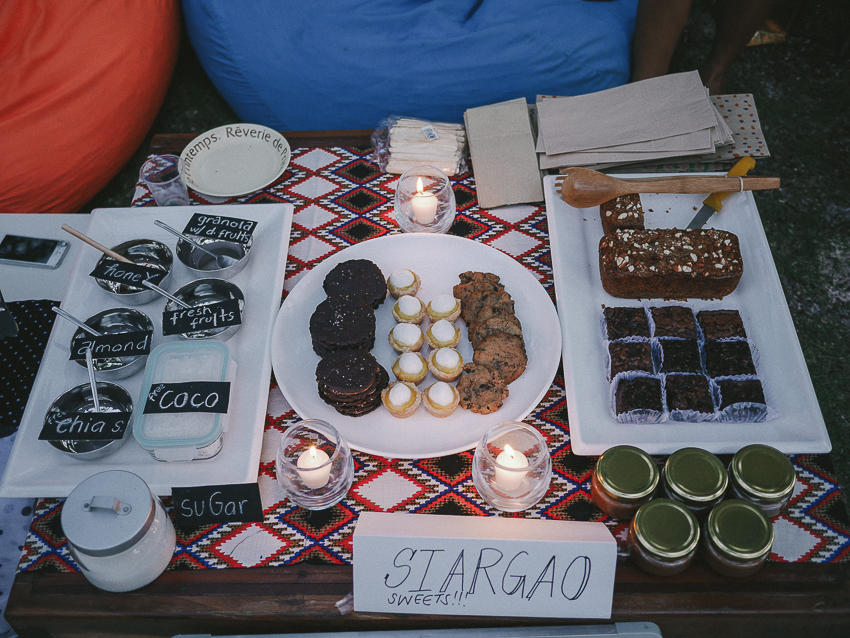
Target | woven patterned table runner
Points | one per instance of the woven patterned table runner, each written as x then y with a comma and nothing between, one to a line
340,199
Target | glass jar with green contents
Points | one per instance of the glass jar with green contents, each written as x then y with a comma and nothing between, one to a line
737,538
624,479
763,476
696,478
663,537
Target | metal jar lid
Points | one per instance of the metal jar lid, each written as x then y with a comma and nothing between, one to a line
739,530
763,473
695,476
666,529
627,473
108,513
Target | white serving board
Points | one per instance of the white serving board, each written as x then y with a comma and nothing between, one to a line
36,469
574,235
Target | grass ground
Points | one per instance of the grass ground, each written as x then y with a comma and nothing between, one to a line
801,90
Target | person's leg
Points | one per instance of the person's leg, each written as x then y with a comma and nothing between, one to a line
658,26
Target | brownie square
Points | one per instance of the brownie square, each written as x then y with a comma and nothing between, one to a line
626,322
630,356
639,393
728,358
734,391
674,321
721,324
689,392
679,355
625,211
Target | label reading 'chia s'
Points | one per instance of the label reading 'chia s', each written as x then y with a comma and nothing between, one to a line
188,396
206,317
119,344
129,274
84,426
218,227
209,504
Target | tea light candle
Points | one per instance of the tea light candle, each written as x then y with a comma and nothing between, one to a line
506,479
424,204
311,459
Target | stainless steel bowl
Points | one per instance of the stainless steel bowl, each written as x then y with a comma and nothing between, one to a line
114,321
145,252
203,265
112,398
202,292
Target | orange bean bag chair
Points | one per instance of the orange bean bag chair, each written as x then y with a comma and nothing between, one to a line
81,82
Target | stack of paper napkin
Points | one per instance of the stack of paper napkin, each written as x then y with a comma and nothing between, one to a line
414,142
656,119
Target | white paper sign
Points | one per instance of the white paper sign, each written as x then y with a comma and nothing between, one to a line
483,566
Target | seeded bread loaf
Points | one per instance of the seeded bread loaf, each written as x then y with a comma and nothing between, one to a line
669,263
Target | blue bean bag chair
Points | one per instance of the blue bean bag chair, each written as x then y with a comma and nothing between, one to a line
342,64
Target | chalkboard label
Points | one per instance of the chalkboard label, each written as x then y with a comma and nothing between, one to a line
119,344
218,227
189,396
215,504
129,274
84,426
214,315
8,326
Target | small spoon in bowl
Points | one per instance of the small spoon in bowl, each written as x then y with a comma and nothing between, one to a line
92,380
222,261
75,321
166,294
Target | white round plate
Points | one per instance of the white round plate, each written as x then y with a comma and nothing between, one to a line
234,160
438,260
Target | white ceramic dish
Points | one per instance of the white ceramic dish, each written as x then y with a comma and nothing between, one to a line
438,260
234,160
575,234
35,469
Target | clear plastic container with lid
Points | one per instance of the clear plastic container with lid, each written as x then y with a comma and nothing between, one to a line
624,479
737,538
663,537
763,476
695,478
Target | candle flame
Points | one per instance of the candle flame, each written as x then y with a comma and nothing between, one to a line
312,452
510,451
419,186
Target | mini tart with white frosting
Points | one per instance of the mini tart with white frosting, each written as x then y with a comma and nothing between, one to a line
410,366
403,282
406,337
401,398
409,309
443,307
442,334
445,364
440,399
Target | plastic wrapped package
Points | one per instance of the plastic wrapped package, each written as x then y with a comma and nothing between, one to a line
400,143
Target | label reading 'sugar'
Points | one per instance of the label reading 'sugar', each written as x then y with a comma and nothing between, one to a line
218,227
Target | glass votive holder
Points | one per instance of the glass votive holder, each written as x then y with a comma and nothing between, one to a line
424,200
314,465
511,467
163,175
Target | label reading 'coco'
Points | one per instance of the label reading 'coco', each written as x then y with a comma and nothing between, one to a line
216,504
189,396
84,426
206,317
218,227
119,344
129,274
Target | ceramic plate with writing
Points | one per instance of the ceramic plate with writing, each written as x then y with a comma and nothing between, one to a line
234,160
438,260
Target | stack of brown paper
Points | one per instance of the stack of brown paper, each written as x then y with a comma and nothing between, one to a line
657,119
501,145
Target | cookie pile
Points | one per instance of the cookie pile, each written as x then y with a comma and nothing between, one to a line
351,381
499,355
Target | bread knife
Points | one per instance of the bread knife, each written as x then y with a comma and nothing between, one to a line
714,202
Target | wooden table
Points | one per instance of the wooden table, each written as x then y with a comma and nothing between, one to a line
781,599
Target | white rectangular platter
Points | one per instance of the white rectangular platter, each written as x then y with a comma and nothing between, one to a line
36,469
574,235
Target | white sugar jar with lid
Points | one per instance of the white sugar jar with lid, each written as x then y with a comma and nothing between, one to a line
118,531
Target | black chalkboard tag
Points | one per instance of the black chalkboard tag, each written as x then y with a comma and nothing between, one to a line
8,326
205,317
129,274
188,396
218,227
209,504
119,344
84,426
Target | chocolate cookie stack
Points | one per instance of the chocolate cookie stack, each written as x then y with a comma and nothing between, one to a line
351,381
499,356
342,322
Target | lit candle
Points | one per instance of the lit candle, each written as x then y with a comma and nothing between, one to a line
424,204
510,480
312,461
